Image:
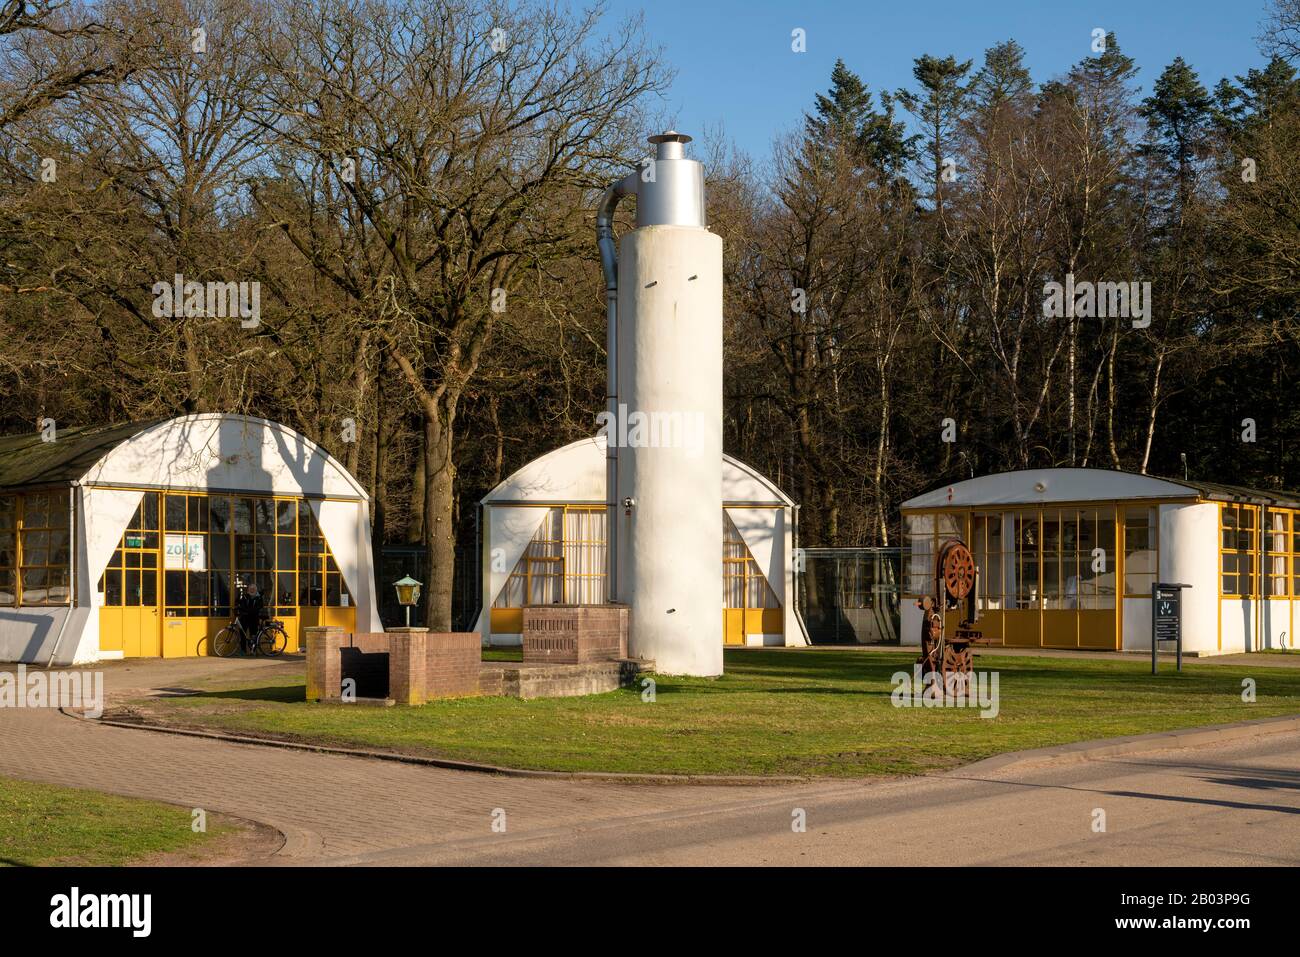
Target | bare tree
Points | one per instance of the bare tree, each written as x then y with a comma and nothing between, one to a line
460,143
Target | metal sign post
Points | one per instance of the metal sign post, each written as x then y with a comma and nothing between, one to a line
1167,619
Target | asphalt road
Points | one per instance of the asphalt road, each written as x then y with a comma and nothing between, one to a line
1229,804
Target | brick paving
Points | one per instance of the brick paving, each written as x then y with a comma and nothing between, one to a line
327,806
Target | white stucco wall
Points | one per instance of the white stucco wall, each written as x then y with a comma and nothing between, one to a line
1189,553
1237,621
1277,624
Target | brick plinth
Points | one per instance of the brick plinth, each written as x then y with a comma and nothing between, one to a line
406,665
575,634
409,665
324,664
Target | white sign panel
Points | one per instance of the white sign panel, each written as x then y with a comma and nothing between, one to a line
185,552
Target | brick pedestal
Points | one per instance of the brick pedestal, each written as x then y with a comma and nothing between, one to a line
575,634
414,664
324,664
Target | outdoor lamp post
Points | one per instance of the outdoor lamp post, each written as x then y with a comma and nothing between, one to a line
408,593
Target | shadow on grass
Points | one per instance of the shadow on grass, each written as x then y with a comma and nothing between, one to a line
283,694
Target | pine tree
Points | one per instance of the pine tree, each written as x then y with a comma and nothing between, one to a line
938,104
1179,116
846,117
1002,78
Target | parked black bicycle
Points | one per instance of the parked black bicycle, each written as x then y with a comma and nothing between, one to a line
270,640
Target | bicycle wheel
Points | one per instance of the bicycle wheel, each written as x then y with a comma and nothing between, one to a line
271,640
226,643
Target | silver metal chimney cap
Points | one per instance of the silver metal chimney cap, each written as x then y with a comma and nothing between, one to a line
670,190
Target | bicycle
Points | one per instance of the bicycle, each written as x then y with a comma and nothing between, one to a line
270,641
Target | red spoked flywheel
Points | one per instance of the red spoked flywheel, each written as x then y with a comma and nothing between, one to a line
957,568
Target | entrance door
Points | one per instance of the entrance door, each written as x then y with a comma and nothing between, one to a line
130,620
141,622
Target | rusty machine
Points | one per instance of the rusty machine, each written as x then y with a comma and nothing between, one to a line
953,589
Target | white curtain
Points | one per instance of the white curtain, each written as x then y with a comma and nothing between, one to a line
563,563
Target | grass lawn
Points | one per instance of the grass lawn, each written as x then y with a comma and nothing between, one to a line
41,824
807,712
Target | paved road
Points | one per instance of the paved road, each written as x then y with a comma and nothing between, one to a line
1234,803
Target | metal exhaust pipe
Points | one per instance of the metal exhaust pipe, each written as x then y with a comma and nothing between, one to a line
609,266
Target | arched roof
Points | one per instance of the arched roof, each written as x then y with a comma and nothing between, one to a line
1032,486
575,473
216,451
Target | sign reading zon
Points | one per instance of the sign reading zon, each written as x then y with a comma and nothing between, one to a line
181,552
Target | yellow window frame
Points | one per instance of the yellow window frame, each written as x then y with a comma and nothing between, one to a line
1238,509
58,505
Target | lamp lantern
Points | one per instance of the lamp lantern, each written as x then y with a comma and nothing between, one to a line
408,593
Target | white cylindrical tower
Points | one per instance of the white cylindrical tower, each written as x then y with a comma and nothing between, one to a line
669,374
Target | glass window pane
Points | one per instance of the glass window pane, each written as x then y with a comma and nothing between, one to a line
919,573
148,512
1027,571
174,588
219,584
148,588
245,552
113,588
265,551
219,513
175,513
243,518
263,515
35,511
286,594
219,552
198,583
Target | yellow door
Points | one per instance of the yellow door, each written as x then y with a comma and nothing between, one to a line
141,634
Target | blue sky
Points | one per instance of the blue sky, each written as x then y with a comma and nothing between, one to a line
735,68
